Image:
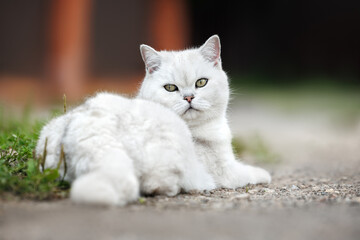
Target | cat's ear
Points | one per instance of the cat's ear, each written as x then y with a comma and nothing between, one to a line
151,58
211,50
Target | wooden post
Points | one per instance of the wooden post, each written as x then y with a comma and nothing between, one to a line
169,26
68,47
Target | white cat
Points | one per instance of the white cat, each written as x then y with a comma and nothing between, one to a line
193,84
116,148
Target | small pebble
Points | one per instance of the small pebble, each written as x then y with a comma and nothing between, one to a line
268,190
330,190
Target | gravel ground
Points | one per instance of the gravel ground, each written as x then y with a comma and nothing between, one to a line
295,191
315,194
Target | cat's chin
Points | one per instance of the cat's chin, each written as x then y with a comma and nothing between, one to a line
191,113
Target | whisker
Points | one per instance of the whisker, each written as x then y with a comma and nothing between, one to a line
179,108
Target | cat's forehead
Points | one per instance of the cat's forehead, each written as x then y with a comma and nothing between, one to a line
183,66
181,57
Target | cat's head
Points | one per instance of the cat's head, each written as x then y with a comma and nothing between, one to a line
190,82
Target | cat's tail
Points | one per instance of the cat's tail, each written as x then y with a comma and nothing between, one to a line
113,183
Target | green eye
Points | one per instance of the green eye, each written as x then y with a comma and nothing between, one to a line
201,82
171,87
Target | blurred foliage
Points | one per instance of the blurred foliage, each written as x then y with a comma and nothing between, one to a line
341,102
256,149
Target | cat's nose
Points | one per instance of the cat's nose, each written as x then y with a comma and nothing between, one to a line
189,98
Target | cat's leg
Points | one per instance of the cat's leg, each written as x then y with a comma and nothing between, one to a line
171,170
162,171
196,176
229,172
112,183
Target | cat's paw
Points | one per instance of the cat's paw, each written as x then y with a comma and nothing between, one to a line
100,189
207,185
160,184
259,175
239,175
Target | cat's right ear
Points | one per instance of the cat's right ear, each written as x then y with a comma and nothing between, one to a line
151,58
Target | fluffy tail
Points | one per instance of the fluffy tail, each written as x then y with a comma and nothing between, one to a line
113,183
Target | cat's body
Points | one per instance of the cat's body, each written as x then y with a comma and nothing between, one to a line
117,148
205,111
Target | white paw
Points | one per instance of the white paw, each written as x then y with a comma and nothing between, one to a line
208,185
160,184
239,175
259,175
198,180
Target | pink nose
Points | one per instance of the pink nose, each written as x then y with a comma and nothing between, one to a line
189,98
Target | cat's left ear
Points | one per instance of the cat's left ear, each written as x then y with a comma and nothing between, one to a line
211,50
151,58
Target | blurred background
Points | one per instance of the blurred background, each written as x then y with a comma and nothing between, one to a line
294,66
51,47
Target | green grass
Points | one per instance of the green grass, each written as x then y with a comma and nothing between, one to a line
20,176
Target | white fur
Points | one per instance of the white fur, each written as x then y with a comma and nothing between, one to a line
116,148
207,120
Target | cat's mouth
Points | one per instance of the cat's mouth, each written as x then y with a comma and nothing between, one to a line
190,109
